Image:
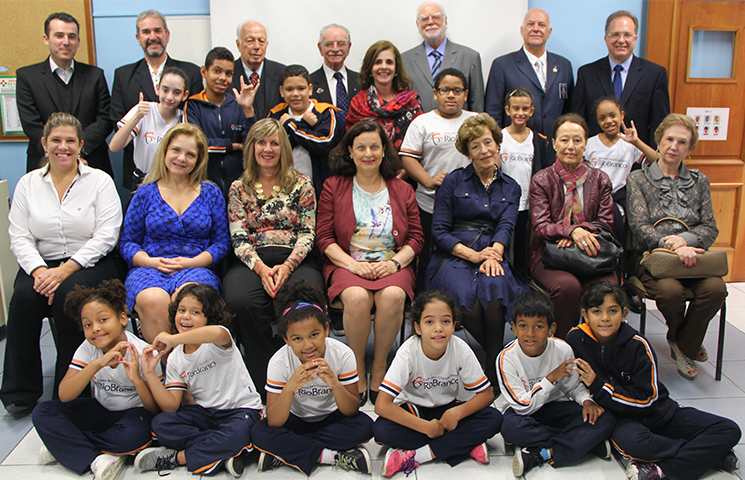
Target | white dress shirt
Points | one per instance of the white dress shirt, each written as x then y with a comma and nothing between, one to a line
156,74
65,74
532,59
83,226
247,70
332,82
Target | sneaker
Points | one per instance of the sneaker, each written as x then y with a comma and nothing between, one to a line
480,454
602,449
642,471
268,462
235,466
356,459
524,460
399,461
728,463
45,456
107,467
156,458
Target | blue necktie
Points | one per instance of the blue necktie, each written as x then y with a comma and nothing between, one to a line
342,102
617,83
436,65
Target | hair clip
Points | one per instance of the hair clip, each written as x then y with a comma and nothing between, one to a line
302,305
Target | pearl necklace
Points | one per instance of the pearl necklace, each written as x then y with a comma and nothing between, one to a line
488,183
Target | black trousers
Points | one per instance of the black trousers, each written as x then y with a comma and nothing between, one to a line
254,308
22,378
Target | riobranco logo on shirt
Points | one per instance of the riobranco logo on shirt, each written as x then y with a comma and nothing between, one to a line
314,391
198,371
114,388
435,382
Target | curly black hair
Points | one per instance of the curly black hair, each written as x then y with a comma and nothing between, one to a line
425,298
110,292
297,301
213,305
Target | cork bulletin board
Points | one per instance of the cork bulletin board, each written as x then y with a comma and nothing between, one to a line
22,30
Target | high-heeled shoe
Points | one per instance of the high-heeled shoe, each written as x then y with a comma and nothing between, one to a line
686,367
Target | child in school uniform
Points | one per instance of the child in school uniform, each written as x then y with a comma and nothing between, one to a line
659,437
147,122
549,416
420,417
524,152
615,151
99,432
312,406
204,360
314,127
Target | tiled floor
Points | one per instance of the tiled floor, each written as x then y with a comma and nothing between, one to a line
19,444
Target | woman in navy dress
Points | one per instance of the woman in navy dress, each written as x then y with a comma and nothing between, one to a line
475,213
175,229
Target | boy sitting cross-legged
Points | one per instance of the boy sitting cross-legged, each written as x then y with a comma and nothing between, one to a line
661,438
548,414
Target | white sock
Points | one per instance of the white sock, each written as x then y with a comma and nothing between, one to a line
328,457
423,454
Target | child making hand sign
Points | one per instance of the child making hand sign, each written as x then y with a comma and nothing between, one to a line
312,403
77,431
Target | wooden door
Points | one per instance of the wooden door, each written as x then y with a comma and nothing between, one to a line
670,36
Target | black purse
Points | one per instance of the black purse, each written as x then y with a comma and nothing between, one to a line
573,260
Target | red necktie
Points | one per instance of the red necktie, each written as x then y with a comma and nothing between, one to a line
254,79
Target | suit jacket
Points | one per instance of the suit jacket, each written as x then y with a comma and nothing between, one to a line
457,56
268,94
645,96
514,70
38,98
129,81
321,85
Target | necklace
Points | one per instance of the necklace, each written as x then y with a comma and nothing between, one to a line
381,186
489,182
260,190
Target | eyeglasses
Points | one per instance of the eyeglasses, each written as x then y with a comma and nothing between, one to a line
626,36
340,44
446,90
437,18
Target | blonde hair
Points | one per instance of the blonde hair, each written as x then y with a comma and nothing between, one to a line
473,128
262,129
159,170
62,119
677,119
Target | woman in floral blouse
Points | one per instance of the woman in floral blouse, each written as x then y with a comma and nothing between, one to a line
272,215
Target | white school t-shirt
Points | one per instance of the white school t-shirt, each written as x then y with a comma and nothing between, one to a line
415,378
216,377
430,139
517,162
300,155
616,161
314,401
148,133
111,386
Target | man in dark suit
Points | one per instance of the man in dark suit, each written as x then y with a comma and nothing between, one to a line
143,76
60,84
436,53
639,84
253,67
547,76
334,45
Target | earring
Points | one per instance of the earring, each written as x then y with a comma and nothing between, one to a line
46,154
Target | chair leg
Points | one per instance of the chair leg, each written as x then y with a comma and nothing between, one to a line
720,342
643,316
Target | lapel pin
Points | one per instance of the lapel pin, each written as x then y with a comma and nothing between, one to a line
555,69
320,90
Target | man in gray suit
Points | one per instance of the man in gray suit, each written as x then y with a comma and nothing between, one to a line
424,61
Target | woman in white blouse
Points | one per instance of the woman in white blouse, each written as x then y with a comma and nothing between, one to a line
64,223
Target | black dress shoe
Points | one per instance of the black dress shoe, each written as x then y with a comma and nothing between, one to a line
635,305
363,398
18,408
373,396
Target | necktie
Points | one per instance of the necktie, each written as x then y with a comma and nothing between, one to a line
617,83
254,79
438,61
541,73
342,102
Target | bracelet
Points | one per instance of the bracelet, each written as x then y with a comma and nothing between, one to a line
289,265
398,265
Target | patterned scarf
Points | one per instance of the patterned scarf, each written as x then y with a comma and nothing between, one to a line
573,209
394,116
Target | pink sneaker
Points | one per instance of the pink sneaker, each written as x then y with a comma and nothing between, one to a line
480,454
397,461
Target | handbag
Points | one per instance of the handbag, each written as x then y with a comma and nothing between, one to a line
574,260
664,263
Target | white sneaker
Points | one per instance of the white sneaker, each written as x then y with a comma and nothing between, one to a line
156,458
107,467
45,456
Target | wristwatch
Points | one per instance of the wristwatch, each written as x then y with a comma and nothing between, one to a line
398,265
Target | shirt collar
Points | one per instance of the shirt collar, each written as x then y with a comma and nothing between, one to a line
532,58
330,72
53,66
626,64
248,70
428,48
83,169
470,172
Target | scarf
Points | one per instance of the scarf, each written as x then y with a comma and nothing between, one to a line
394,116
572,210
